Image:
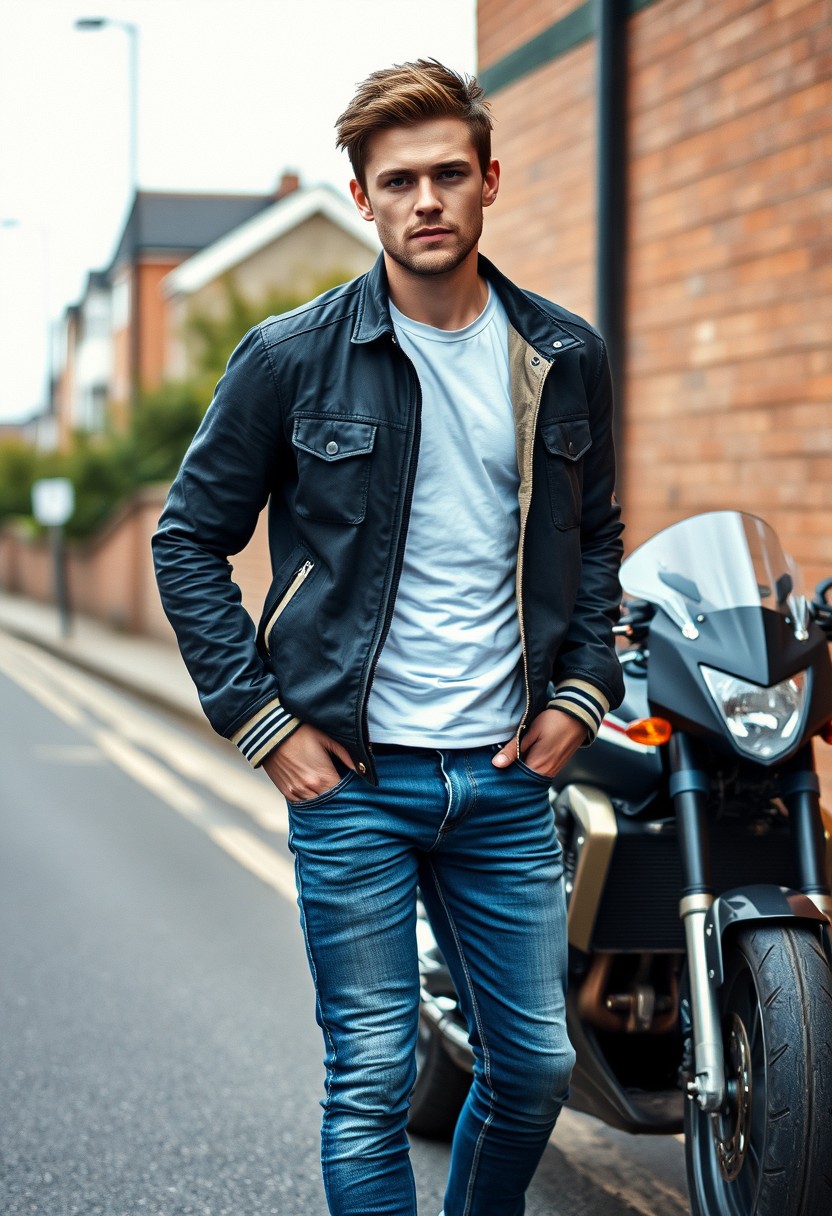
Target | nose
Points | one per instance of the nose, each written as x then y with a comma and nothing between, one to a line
427,198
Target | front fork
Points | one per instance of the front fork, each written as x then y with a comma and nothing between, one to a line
689,787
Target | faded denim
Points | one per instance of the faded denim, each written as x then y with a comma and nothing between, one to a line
480,843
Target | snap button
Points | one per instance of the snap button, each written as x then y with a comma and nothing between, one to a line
557,345
535,360
362,767
570,447
331,448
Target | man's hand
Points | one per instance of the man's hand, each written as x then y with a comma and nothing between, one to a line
551,739
302,767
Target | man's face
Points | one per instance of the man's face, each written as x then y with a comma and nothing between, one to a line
425,192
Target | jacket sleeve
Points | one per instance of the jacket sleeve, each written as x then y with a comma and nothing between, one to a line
210,514
587,674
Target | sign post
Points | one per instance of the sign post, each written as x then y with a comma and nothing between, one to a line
53,501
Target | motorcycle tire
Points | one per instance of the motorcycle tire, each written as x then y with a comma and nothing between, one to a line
440,1090
767,1152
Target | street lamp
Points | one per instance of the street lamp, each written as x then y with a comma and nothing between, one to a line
132,32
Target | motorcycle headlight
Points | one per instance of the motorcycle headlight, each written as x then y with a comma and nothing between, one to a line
763,721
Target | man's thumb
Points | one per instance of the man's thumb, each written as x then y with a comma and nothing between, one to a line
505,756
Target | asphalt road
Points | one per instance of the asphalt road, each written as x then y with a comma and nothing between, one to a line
158,1049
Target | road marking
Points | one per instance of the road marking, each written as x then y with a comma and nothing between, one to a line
231,780
257,857
262,803
590,1151
149,773
43,693
71,753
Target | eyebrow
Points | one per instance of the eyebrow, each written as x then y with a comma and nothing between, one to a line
461,163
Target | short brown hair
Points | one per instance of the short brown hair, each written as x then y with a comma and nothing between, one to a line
409,93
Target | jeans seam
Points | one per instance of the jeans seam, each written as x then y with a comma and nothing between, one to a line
474,787
469,1194
330,1072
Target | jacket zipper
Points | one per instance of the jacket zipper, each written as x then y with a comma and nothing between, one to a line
412,458
284,601
520,548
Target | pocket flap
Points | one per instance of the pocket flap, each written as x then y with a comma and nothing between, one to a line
333,438
569,438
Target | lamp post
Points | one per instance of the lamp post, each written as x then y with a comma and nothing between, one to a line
132,32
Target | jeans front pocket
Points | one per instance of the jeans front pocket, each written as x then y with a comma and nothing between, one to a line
319,799
543,778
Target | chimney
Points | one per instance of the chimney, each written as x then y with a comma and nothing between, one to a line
288,184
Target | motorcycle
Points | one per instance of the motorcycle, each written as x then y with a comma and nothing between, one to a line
696,873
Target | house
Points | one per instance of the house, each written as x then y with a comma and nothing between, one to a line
84,362
162,230
308,238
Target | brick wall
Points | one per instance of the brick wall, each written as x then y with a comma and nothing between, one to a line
111,578
541,230
729,378
729,362
730,373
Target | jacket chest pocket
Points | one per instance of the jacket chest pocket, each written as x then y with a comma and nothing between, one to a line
566,442
333,460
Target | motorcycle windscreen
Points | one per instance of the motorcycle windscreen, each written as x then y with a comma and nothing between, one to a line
721,559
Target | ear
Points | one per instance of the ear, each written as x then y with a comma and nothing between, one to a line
491,183
362,201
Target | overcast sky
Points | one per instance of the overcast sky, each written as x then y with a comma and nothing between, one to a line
231,93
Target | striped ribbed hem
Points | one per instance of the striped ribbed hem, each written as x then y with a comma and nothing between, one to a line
583,701
263,731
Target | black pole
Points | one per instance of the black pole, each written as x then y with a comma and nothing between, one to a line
689,790
611,188
60,579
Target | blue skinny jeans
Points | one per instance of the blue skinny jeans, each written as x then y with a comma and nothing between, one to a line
480,844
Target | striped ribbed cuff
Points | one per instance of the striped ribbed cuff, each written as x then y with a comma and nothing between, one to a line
583,701
263,731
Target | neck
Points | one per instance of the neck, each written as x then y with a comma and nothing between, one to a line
444,301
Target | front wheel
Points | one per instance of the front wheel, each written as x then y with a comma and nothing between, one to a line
440,1090
767,1151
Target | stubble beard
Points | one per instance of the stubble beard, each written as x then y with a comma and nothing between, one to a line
429,263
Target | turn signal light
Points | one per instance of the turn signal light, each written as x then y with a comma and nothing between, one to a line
652,732
825,732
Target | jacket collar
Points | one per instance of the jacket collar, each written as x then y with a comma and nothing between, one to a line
545,332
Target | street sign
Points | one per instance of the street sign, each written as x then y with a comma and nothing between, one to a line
53,501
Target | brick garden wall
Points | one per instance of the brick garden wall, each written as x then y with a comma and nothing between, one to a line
111,577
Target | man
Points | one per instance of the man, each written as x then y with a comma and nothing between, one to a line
434,445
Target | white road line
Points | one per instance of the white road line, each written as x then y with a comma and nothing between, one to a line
16,661
257,857
71,753
47,696
149,773
231,780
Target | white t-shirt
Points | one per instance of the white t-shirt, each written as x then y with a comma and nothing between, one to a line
450,671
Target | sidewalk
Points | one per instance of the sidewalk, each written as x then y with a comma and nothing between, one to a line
140,665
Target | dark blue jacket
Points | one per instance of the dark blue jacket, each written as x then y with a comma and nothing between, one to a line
318,415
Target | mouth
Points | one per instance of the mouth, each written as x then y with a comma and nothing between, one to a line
430,234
